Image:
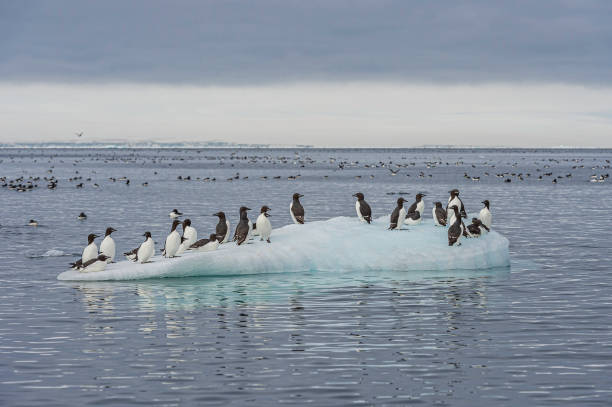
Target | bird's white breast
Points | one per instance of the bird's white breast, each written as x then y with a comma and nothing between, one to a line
358,209
485,217
264,226
401,218
90,252
107,247
146,250
291,213
420,207
435,217
173,241
226,238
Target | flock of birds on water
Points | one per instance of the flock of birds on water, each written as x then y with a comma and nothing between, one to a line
475,173
94,259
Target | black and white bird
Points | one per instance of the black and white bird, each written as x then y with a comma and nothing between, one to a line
476,229
414,214
454,199
398,215
173,241
91,250
107,246
455,231
206,245
243,229
190,235
485,215
96,264
32,222
296,209
364,212
263,225
175,214
223,228
82,216
144,252
439,214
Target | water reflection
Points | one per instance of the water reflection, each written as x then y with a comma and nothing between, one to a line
190,294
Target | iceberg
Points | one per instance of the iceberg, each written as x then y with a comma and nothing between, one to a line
337,244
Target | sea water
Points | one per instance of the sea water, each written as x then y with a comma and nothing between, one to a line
535,333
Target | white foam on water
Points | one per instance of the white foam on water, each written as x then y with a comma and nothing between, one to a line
337,244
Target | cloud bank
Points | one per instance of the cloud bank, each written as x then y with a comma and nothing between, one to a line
252,42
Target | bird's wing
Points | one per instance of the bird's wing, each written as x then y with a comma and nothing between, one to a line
365,209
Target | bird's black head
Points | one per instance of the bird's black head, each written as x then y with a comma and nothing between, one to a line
476,221
419,196
103,257
400,201
91,237
220,215
82,215
438,204
454,192
212,237
265,209
244,209
109,230
297,196
175,224
147,235
186,222
359,196
486,203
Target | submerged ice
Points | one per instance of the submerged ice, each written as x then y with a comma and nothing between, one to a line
337,244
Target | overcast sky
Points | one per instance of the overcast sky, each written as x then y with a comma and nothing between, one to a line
365,73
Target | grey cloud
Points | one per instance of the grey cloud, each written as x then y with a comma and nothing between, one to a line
250,42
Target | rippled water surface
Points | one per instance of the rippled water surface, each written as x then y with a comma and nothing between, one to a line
537,333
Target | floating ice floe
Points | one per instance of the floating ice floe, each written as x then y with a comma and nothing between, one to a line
337,244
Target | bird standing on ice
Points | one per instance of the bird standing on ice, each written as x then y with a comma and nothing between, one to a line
455,231
398,215
91,250
439,214
263,224
174,214
414,214
144,252
223,228
297,210
485,215
206,245
173,241
364,212
190,235
243,229
454,199
107,246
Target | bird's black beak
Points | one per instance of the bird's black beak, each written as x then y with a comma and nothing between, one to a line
248,209
301,195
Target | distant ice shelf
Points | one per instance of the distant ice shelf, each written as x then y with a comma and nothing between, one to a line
337,244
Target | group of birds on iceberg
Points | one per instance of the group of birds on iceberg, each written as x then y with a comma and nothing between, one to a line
93,260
